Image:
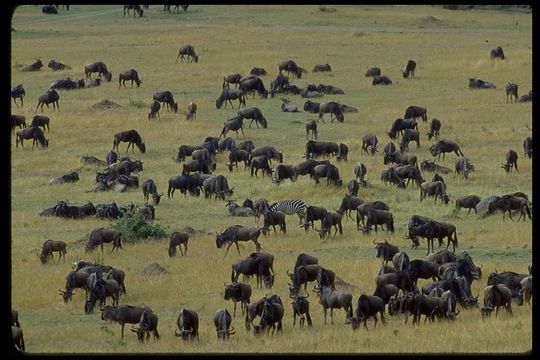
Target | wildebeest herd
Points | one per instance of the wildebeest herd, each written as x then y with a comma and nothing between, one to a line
452,272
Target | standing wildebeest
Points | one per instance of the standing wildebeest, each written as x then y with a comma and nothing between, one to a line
188,324
511,161
442,257
381,80
253,84
260,162
436,230
183,183
166,97
435,189
149,188
413,112
409,172
148,323
348,204
313,213
231,94
527,146
367,306
236,233
284,172
123,314
136,10
399,125
352,187
374,71
401,158
443,147
33,67
274,218
475,83
271,314
189,52
321,148
222,322
18,120
54,65
422,269
511,91
232,79
408,136
50,96
328,171
362,210
99,291
75,279
369,140
434,128
300,306
497,53
401,261
217,186
238,292
322,68
34,133
101,235
330,298
329,220
467,202
98,67
238,155
496,296
255,114
18,92
509,203
409,70
311,126
379,217
132,137
463,166
50,246
508,278
526,289
154,109
41,120
254,265
291,67
177,239
131,75
385,250
18,339
333,108
191,112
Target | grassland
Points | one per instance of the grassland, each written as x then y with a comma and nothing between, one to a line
448,46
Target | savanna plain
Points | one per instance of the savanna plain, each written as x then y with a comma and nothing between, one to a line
449,46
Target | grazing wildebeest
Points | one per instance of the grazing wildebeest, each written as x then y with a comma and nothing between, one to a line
154,109
99,291
497,53
132,137
443,147
287,107
17,338
311,126
413,112
238,292
260,162
527,146
328,171
436,189
496,296
231,94
136,10
408,136
18,92
123,314
253,84
147,323
381,80
526,289
98,67
313,213
367,307
312,107
183,183
291,67
217,186
409,70
41,120
189,52
333,108
442,257
434,128
131,75
507,203
362,210
399,125
232,79
34,133
512,92
101,235
379,217
463,166
75,279
50,246
467,202
254,265
390,176
33,67
166,97
401,158
329,220
352,187
401,261
409,172
385,250
322,68
526,97
203,166
510,279
222,322
236,233
191,112
321,148
511,161
188,324
374,71
349,203
369,141
331,298
178,238
18,120
274,218
238,155
255,114
475,83
422,269
271,314
284,172
150,188
50,96
310,272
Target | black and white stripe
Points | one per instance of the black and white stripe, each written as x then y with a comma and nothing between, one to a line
290,207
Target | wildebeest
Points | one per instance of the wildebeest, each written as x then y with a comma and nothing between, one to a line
254,265
374,71
349,203
255,309
42,121
149,188
67,84
463,166
422,269
274,218
381,80
511,161
236,233
236,155
255,114
369,141
300,306
98,67
231,94
99,291
507,203
18,121
367,307
312,107
260,162
434,128
467,202
188,324
497,53
331,298
328,171
33,67
50,246
236,210
496,296
238,292
526,289
75,279
333,108
137,9
232,79
178,238
409,70
443,147
512,92
34,133
50,96
322,67
271,315
430,165
390,176
283,172
286,106
54,65
101,235
291,67
321,148
313,213
401,261
352,187
217,186
413,112
191,112
399,125
409,172
202,166
183,183
131,75
147,323
311,126
17,338
401,158
408,136
510,279
527,146
475,83
436,230
526,97
362,210
379,217
400,279
442,256
166,97
123,314
258,71
187,51
329,220
18,92
385,250
253,84
132,137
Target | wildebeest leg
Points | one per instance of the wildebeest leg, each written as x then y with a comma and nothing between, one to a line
122,324
102,248
324,316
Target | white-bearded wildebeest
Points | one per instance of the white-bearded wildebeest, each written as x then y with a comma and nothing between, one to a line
300,306
401,158
237,210
184,183
321,148
255,114
510,279
429,165
379,217
33,67
437,189
100,290
332,299
238,292
166,97
333,108
34,133
467,202
328,171
385,250
18,92
222,322
269,151
422,269
132,137
512,92
526,97
399,125
436,230
189,52
286,106
313,213
101,235
17,338
434,128
131,75
349,203
507,203
511,161
217,186
367,307
463,166
409,70
67,84
178,238
231,94
258,71
123,314
496,296
188,324
191,112
260,162
148,323
18,121
75,279
236,233
236,155
50,96
322,68
50,246
526,289
409,172
362,210
381,80
352,187
291,67
413,112
311,126
527,147
231,79
150,188
42,121
284,172
254,265
329,220
497,53
390,176
136,10
374,71
271,314
253,85
369,141
443,147
54,65
98,67
475,83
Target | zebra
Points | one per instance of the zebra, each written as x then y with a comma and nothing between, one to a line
290,207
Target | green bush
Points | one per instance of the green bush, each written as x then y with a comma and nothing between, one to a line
134,227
